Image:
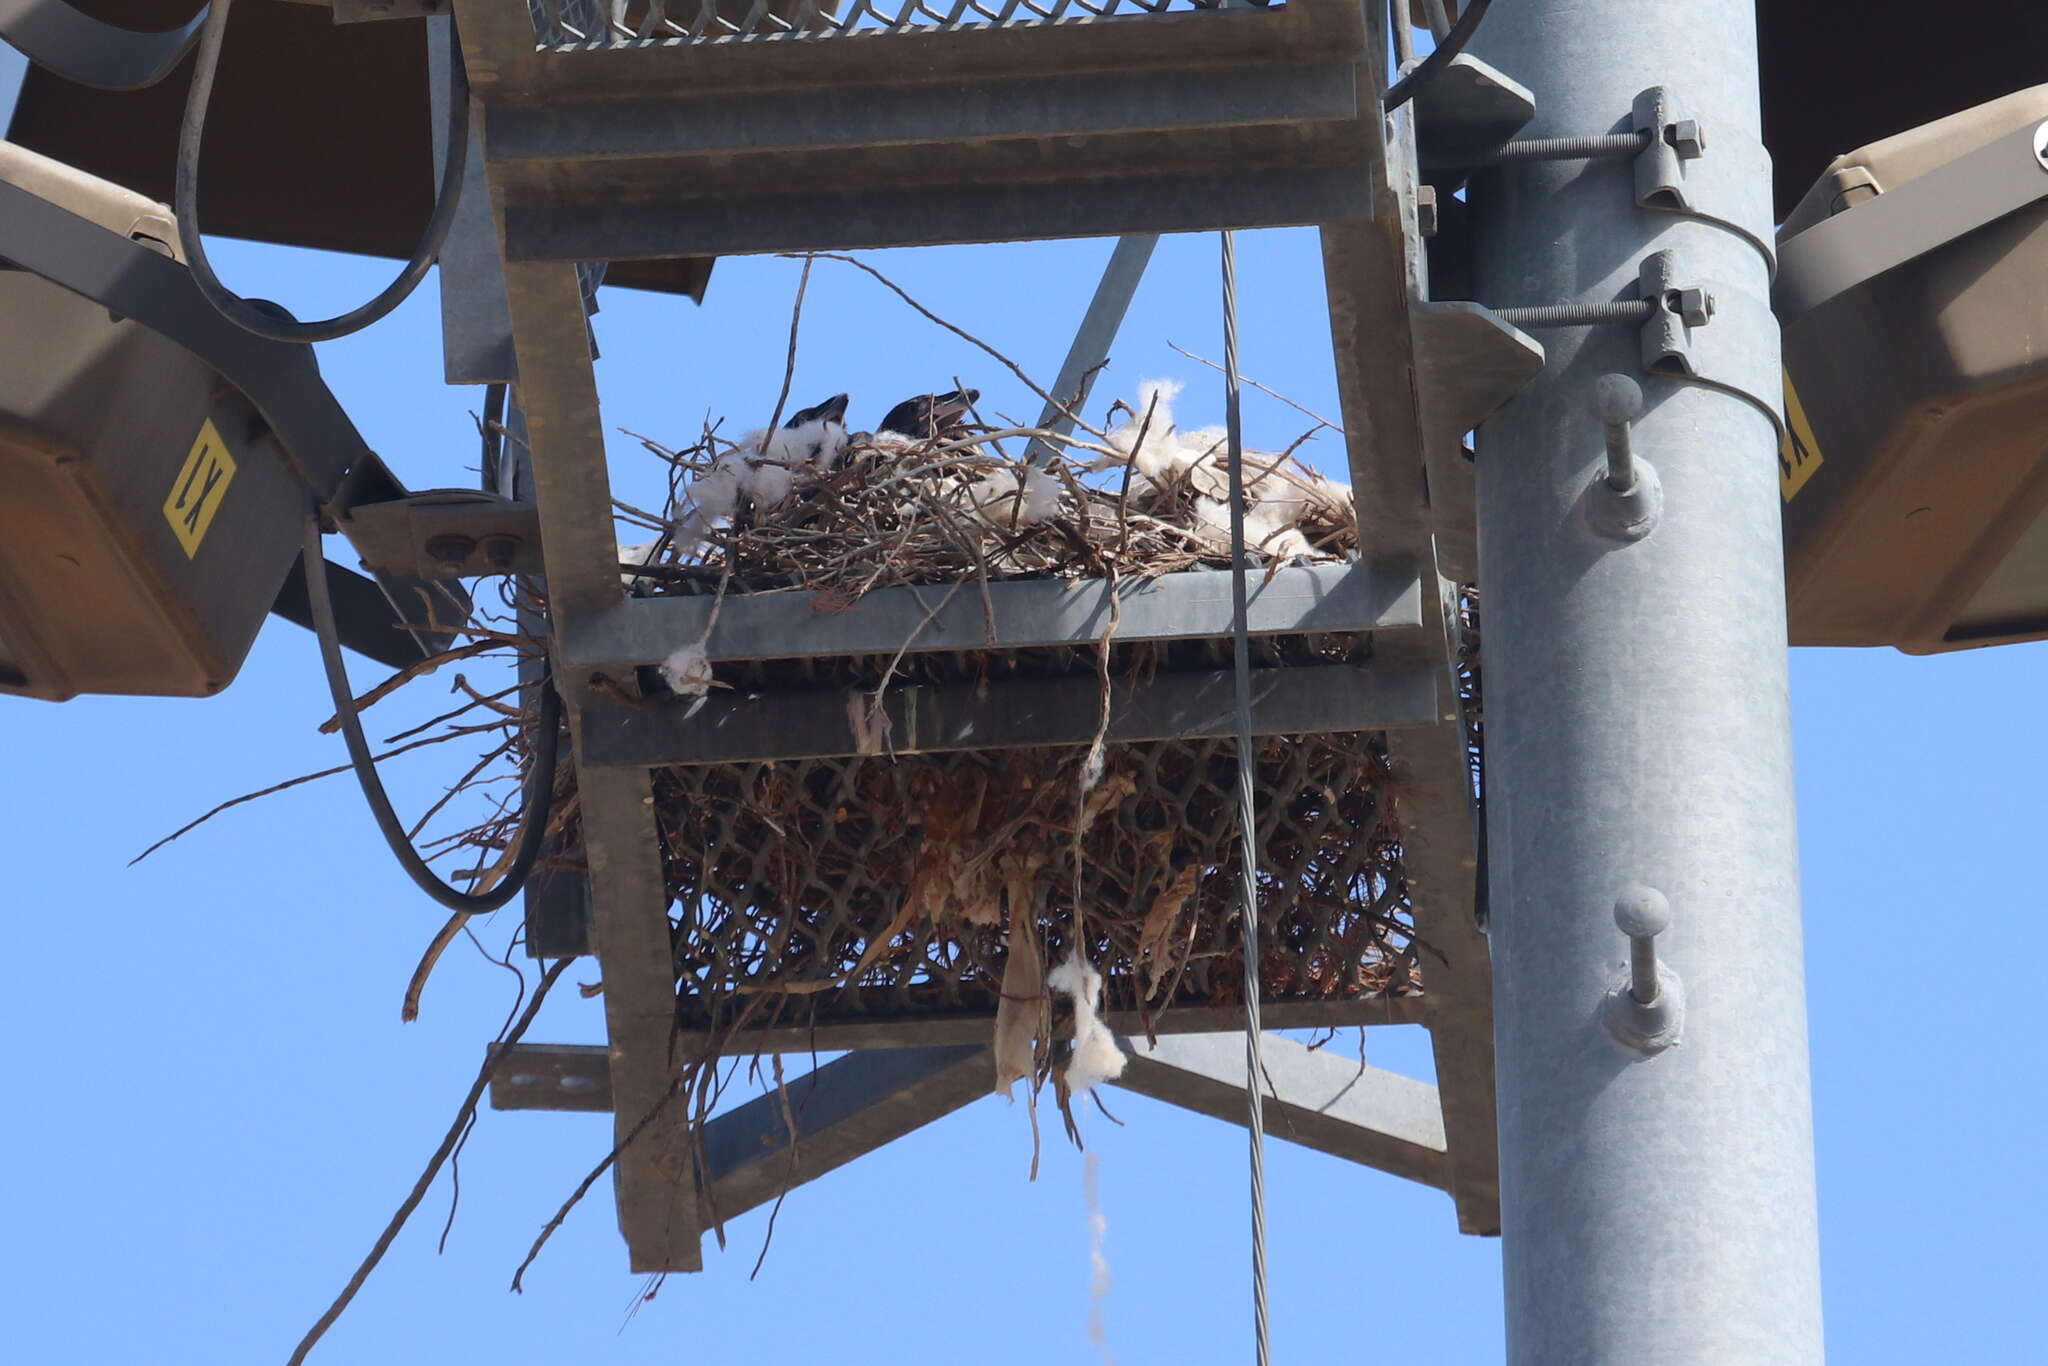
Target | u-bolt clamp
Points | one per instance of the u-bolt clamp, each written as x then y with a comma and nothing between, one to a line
1645,1013
1624,503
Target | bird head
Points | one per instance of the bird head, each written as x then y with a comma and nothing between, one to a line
832,409
930,415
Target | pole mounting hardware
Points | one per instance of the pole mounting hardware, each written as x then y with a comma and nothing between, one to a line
1645,1012
1625,502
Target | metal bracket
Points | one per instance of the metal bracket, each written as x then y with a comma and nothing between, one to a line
1468,109
446,534
1679,340
1468,363
1676,173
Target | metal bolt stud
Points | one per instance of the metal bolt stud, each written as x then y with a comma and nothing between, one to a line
1625,503
1618,400
1646,1012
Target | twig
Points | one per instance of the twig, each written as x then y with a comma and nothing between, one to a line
476,700
583,1186
190,826
463,1116
412,671
796,315
410,1010
959,332
1269,393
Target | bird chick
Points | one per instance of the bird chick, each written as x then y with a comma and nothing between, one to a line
1006,500
928,417
1162,453
811,438
765,467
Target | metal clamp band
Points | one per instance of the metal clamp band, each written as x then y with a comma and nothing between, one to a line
1727,184
1681,341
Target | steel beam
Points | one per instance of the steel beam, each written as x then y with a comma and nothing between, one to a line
1440,860
841,1111
558,394
1045,106
1097,333
659,228
728,728
1656,1205
1334,1105
1018,614
572,1076
1373,277
476,324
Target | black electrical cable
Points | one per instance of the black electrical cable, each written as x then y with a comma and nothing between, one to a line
494,440
245,313
1403,90
540,779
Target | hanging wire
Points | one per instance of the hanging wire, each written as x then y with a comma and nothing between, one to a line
540,776
1247,761
1403,90
266,319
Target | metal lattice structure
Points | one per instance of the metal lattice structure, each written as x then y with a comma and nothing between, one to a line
569,25
620,134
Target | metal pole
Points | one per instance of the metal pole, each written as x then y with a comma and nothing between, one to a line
1657,1200
1092,342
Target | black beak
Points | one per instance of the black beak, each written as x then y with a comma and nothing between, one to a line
950,408
831,410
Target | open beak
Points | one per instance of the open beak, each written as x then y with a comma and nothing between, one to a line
834,409
950,408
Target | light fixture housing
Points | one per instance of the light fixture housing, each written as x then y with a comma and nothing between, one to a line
1913,292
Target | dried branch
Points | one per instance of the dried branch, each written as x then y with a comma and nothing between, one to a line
463,1116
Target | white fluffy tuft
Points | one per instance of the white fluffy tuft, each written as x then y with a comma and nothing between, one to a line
997,495
1096,1058
716,493
767,483
687,672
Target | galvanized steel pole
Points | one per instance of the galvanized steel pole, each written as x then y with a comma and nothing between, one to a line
1656,1159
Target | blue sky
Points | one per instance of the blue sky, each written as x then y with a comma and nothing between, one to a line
217,1106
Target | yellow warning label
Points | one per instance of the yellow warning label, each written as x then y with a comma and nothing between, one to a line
200,487
1799,455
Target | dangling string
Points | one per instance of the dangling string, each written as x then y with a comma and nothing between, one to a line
1247,762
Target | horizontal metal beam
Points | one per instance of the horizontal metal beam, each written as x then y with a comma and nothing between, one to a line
576,229
568,1076
843,1110
1334,1105
507,66
729,728
1020,614
949,112
367,621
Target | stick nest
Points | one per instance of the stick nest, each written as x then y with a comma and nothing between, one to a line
889,886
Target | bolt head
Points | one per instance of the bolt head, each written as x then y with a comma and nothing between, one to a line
1687,138
1617,399
1693,305
1642,912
